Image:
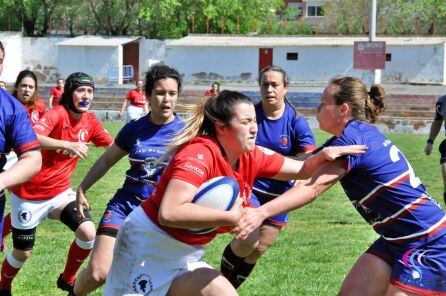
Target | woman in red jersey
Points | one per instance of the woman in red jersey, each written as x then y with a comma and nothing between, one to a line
26,90
155,252
135,104
64,134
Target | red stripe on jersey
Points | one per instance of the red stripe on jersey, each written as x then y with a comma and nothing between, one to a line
431,233
384,187
404,212
306,149
27,147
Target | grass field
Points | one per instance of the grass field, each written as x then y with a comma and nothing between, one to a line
311,256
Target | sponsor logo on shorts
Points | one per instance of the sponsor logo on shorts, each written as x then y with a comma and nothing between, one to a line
107,216
24,216
142,284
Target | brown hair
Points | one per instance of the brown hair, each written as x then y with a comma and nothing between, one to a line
218,108
366,105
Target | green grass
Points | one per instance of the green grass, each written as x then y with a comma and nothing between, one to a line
311,256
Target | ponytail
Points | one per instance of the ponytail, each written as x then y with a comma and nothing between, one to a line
374,103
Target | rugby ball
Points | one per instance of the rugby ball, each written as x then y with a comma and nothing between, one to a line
217,193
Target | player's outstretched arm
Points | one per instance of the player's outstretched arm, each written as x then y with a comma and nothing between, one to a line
25,168
303,193
110,157
293,169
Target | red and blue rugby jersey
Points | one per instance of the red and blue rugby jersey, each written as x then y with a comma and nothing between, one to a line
384,189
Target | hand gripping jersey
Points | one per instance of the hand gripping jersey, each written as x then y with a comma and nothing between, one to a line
37,113
58,165
146,143
384,189
201,160
57,95
289,135
16,133
137,98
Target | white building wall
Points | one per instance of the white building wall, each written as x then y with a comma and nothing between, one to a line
211,63
12,65
415,64
316,64
151,51
92,60
40,56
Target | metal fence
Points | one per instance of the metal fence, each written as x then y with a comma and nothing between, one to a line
113,74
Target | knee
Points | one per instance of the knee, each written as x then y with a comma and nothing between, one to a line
21,255
97,274
86,231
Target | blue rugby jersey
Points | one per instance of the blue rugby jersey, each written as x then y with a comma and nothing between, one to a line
384,189
289,135
146,143
16,133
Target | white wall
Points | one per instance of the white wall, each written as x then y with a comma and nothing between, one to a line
12,42
40,56
150,51
416,64
92,60
211,63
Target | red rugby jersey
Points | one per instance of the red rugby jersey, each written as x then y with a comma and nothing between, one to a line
201,160
59,165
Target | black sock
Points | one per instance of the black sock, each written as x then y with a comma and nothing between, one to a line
230,264
242,273
444,197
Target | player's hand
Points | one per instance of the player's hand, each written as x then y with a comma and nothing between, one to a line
332,152
81,203
78,148
251,220
428,149
236,211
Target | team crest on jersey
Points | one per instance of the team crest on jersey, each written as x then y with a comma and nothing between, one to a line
24,216
82,135
35,116
284,141
151,166
142,284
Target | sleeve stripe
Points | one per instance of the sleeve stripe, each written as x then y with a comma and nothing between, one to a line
27,146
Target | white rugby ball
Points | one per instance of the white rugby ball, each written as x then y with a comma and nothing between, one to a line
217,193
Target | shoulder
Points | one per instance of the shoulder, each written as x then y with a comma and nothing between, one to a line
441,99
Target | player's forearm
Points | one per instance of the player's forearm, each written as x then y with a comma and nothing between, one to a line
189,215
435,129
24,169
47,143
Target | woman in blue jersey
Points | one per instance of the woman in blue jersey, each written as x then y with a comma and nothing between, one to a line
409,258
282,129
144,141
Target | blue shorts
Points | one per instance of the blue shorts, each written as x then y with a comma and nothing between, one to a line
118,208
417,267
257,200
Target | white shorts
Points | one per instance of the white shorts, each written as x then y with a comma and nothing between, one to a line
11,159
134,112
146,259
27,214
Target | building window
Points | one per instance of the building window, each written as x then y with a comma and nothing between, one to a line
388,57
291,56
315,8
